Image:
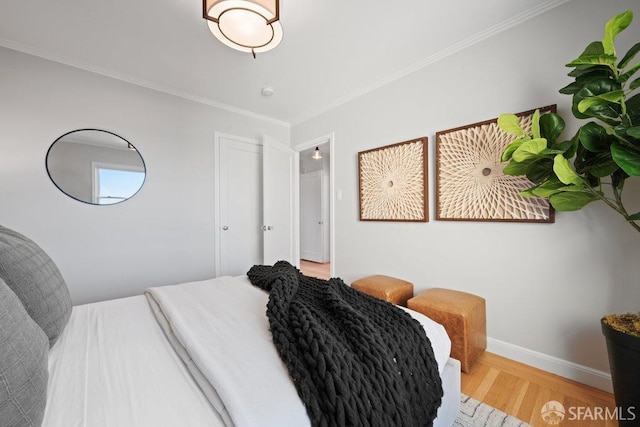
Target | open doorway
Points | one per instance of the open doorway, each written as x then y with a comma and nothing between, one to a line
316,208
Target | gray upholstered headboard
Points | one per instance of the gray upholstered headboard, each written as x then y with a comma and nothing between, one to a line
34,309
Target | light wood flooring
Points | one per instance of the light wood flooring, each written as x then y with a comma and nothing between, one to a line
315,269
521,390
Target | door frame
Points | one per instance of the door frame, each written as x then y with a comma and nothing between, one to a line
325,139
217,136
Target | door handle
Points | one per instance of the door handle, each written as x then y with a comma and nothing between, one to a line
266,228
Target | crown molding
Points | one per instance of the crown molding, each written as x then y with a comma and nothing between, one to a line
136,81
539,9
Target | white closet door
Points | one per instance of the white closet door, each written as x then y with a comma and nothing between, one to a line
239,225
279,200
255,203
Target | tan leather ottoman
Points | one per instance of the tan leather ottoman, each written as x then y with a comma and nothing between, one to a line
463,315
396,291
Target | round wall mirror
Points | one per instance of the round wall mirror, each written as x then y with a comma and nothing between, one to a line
95,166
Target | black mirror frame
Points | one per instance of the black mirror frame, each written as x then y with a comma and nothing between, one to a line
46,162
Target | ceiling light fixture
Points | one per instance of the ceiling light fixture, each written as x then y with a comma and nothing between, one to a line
317,155
246,25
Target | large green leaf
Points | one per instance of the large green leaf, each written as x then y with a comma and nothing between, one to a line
597,165
513,146
618,178
613,27
633,104
529,149
551,126
574,189
601,165
594,72
634,132
571,200
563,147
574,144
535,124
540,170
547,188
583,73
564,172
577,114
571,88
634,217
528,193
593,48
600,102
593,180
517,169
633,109
629,73
593,89
510,123
551,152
594,137
600,86
614,97
631,53
627,158
608,60
634,84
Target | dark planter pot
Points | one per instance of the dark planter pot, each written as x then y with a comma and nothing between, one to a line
624,360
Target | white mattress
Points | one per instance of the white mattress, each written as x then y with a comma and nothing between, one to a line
113,367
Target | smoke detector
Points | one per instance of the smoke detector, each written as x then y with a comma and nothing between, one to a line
268,91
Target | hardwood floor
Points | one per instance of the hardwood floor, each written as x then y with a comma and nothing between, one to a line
521,390
314,269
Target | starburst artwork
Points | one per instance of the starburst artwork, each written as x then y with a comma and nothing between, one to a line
470,184
393,182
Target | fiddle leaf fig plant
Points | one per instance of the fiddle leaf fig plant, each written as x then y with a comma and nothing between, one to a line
595,163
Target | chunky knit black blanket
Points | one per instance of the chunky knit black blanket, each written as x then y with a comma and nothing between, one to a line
355,360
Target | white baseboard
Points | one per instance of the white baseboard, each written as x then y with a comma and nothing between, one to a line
564,368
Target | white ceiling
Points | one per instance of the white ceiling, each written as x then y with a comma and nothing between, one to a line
332,51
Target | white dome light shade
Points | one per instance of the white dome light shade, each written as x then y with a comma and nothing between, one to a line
244,25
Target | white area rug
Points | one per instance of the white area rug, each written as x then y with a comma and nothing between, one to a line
474,414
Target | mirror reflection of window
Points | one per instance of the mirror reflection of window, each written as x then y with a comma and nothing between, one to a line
95,166
115,183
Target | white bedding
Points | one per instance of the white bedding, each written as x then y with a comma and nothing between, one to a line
221,325
113,367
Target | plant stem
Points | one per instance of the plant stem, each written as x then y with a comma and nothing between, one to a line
617,191
617,205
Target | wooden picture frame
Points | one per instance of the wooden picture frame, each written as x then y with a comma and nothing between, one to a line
392,182
470,185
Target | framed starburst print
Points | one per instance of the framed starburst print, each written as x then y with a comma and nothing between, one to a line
470,184
393,182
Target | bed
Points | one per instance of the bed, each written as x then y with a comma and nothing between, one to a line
193,354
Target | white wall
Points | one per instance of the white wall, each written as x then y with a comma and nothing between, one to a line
546,285
162,235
